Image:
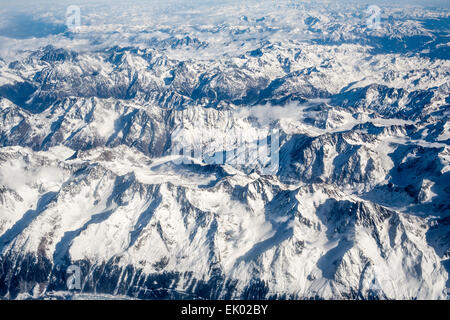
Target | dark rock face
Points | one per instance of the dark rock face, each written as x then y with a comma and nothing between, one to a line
38,275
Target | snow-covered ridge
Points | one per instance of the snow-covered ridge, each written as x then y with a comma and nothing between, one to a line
258,225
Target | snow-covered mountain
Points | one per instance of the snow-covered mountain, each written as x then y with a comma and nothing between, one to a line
107,139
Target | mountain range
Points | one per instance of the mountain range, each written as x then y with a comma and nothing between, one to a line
358,206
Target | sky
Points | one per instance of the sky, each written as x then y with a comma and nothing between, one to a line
52,3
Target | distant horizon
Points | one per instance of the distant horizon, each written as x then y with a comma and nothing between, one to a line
16,3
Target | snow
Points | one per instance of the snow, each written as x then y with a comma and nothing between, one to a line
94,175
